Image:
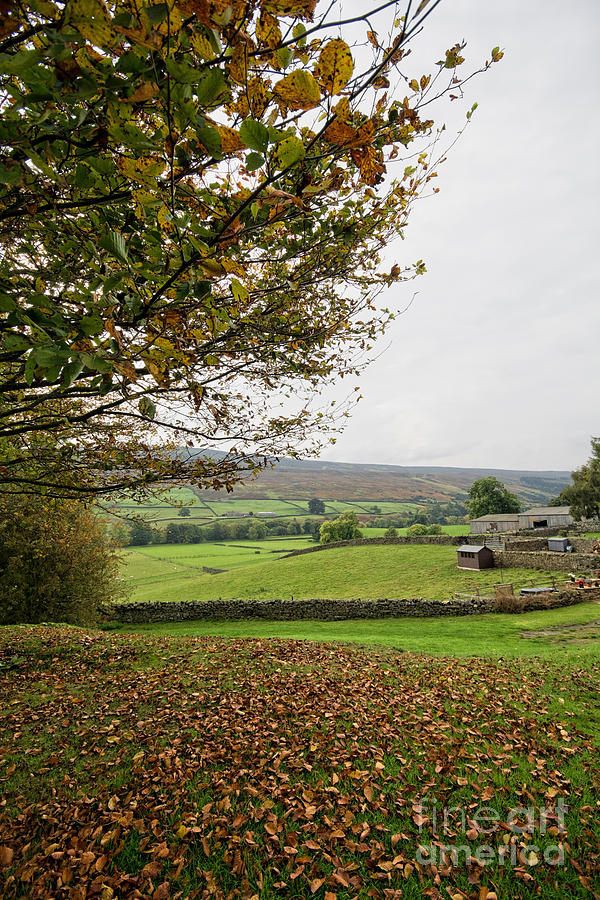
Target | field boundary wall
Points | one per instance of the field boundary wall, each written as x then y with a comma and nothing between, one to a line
319,608
448,540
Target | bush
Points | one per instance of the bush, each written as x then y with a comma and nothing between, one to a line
435,529
56,562
417,529
391,532
344,528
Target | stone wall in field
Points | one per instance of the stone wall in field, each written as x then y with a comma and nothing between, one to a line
448,540
320,609
547,560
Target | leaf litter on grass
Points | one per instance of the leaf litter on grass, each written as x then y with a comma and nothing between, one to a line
201,767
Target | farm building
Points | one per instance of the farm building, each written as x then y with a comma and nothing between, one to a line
495,522
546,517
472,557
537,517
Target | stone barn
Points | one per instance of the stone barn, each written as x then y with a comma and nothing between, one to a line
470,556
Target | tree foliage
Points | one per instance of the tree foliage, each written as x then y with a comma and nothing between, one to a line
56,563
583,495
194,199
344,528
316,507
488,495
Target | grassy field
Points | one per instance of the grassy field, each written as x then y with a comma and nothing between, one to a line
155,767
368,572
202,507
575,629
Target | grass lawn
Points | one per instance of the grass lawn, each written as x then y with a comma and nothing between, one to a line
575,628
144,766
367,572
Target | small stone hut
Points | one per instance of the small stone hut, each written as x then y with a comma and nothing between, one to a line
470,556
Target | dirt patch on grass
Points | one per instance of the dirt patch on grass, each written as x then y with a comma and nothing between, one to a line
567,632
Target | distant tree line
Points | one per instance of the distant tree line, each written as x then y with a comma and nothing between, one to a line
140,533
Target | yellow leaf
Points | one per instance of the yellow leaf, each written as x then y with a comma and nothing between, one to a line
212,266
145,92
268,32
165,219
304,9
413,84
91,20
230,139
298,90
335,66
181,831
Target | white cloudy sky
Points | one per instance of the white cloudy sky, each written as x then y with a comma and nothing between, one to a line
495,363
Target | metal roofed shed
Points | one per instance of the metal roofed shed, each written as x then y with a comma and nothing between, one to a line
495,522
470,556
545,517
558,544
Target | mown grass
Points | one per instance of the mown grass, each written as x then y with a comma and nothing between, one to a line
150,766
368,572
492,635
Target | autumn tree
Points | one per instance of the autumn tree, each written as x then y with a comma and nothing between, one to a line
56,562
344,528
583,494
488,495
195,195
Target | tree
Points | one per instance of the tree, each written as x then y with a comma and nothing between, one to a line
140,533
194,198
258,531
391,532
56,562
316,507
583,495
344,528
488,495
184,511
417,529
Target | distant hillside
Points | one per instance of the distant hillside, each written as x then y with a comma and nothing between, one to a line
302,479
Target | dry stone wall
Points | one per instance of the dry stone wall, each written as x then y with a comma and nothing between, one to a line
548,560
318,608
448,540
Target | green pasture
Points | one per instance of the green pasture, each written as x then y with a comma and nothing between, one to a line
570,633
165,508
365,571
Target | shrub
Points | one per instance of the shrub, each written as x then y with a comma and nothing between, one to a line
391,532
435,529
417,529
56,562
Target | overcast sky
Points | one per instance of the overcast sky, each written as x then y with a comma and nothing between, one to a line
495,364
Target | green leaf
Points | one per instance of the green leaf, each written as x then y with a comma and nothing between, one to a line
254,161
210,86
7,304
115,244
289,151
10,174
91,325
299,30
147,407
181,71
239,291
101,165
70,372
210,139
16,63
157,13
254,135
30,368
